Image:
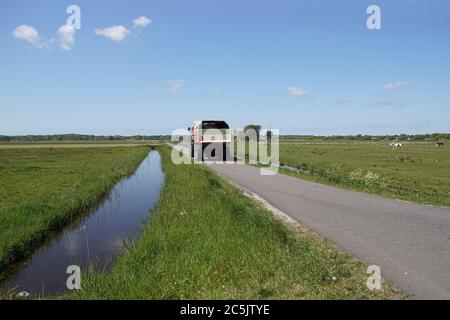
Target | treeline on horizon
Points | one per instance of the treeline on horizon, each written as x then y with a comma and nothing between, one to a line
401,137
83,137
79,137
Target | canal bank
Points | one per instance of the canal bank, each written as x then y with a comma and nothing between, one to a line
96,238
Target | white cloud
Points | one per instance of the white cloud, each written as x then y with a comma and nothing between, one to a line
66,37
29,34
296,91
174,85
115,33
141,22
393,85
66,34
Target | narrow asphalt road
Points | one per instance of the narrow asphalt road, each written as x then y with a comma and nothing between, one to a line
410,242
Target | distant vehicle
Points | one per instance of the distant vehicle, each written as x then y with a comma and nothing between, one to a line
439,144
212,136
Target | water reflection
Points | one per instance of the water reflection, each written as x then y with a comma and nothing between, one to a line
297,170
95,239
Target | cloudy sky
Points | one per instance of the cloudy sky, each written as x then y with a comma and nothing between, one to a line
148,67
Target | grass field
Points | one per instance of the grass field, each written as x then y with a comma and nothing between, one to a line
44,188
419,172
205,240
77,144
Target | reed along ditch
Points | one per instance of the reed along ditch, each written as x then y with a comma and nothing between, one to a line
96,238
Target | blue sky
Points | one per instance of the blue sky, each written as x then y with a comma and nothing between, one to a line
304,67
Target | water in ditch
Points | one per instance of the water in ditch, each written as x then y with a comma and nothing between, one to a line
297,170
94,239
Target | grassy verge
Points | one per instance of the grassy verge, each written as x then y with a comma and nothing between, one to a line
44,188
419,172
205,240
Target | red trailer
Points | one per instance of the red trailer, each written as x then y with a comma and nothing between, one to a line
210,140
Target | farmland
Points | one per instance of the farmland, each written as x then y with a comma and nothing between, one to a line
205,240
76,144
44,188
418,172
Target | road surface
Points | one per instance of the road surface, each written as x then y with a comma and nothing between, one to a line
410,242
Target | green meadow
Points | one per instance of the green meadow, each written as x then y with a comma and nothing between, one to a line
418,172
43,188
206,240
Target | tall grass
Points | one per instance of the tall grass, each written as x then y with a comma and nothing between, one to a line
205,240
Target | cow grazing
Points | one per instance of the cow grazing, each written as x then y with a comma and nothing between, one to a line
396,145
